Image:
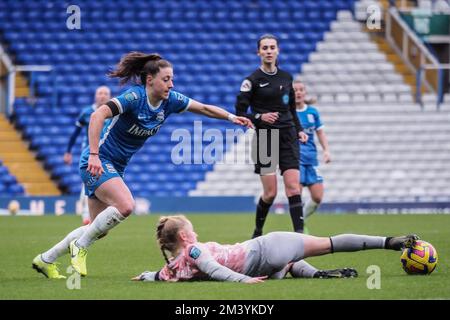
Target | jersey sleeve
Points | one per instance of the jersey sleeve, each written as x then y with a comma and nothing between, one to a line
81,120
126,101
73,138
178,102
243,100
165,274
206,263
318,121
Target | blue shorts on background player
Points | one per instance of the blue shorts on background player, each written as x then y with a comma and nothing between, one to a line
137,114
102,96
309,173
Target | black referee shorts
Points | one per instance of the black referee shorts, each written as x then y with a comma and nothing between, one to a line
276,147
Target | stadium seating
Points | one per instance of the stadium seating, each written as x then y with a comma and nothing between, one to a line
347,67
385,151
8,183
211,44
383,146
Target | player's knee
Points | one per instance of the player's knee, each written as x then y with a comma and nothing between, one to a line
317,199
126,208
269,195
292,189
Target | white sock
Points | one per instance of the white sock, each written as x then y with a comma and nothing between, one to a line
84,208
106,220
62,247
85,215
310,207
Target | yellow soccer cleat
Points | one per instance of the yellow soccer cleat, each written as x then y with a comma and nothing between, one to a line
78,258
50,270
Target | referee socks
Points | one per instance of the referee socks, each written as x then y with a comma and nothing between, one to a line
262,209
296,211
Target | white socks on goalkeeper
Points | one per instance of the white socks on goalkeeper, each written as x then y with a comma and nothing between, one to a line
310,207
105,221
62,247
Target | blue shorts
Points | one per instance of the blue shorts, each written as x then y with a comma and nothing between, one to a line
91,183
309,175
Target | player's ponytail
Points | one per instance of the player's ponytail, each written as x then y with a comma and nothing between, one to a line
159,236
167,234
135,66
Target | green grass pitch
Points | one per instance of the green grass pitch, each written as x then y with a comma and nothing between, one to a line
131,249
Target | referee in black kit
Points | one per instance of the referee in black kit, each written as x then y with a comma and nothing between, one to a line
270,94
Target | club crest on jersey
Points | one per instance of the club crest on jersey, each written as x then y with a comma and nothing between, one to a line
131,96
286,99
160,116
194,253
310,118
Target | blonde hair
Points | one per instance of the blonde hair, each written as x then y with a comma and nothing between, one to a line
167,233
306,101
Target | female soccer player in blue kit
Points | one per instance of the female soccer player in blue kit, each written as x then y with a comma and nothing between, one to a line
137,115
102,96
309,175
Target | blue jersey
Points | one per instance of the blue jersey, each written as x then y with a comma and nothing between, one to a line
83,122
136,122
310,119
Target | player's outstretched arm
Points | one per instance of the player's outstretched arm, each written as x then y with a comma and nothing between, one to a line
73,138
255,280
147,276
208,265
324,143
218,113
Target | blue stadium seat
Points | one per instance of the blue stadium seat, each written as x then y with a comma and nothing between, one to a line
8,179
16,189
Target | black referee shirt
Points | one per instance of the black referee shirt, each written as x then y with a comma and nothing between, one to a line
265,93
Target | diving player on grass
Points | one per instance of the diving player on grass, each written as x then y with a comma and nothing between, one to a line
102,96
270,256
137,115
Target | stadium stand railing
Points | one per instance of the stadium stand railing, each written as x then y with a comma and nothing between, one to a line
428,70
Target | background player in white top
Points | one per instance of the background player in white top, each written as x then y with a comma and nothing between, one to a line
137,114
310,177
272,255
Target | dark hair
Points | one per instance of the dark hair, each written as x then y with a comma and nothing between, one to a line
267,36
136,66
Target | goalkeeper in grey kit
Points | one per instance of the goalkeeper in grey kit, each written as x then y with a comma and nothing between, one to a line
269,256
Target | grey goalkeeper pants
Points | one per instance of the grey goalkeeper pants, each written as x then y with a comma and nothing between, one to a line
270,253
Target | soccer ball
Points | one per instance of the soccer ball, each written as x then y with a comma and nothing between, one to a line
421,258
